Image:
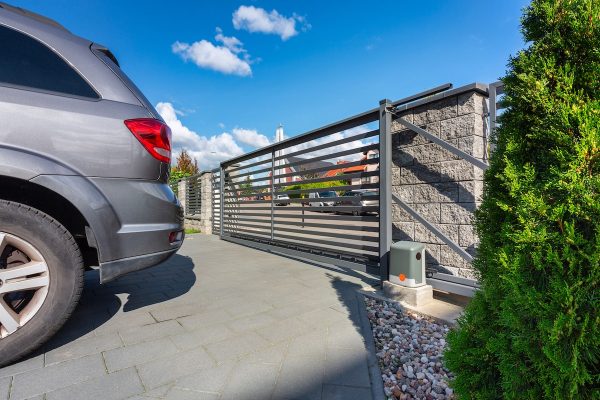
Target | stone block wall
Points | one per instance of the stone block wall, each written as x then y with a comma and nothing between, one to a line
202,221
440,186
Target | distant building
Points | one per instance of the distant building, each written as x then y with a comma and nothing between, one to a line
300,171
294,172
357,168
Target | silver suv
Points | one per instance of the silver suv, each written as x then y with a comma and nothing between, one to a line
84,165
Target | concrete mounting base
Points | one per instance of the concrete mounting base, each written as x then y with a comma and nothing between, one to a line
414,297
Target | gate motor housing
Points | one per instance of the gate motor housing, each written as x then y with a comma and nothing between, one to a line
407,264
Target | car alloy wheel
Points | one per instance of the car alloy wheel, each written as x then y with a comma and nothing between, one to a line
24,282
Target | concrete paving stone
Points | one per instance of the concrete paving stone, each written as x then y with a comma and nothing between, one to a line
311,344
236,346
143,302
85,347
324,317
289,310
274,354
247,308
251,381
251,322
207,380
294,297
182,394
116,386
150,332
176,311
335,392
207,318
284,330
29,364
5,387
345,307
345,337
158,393
57,376
165,370
300,378
347,368
286,324
139,353
125,320
202,335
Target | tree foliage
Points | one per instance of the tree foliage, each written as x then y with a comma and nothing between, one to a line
533,330
319,186
246,187
185,165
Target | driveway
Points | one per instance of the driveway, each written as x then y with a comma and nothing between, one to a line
217,321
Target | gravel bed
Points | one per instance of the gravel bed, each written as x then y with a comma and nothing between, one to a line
409,349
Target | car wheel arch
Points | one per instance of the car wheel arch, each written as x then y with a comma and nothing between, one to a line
55,205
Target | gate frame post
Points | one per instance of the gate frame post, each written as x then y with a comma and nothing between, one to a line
222,198
385,187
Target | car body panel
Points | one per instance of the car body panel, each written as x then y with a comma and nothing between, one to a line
89,137
322,199
358,198
81,149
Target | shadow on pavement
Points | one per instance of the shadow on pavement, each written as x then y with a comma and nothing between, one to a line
100,304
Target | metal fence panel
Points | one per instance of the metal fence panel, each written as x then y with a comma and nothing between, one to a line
215,194
193,188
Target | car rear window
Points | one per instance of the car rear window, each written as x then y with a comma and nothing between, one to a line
107,57
29,63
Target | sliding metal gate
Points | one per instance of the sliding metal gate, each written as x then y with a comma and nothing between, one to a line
315,196
324,195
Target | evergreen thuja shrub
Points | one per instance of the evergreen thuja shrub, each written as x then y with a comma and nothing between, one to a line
533,330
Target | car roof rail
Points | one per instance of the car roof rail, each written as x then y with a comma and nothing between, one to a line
32,15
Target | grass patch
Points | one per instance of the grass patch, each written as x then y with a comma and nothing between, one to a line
189,231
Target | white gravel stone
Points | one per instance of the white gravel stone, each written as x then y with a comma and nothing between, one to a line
410,350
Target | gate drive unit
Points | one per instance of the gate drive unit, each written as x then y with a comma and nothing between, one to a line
407,264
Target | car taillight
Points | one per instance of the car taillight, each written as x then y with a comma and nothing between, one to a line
154,135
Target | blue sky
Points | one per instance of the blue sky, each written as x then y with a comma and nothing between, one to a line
304,65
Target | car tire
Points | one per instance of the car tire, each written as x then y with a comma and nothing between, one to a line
38,320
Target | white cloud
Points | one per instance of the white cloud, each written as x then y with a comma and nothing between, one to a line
340,147
250,137
231,42
254,19
230,58
208,151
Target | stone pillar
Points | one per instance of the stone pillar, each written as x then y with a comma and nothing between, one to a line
441,187
203,220
206,207
182,193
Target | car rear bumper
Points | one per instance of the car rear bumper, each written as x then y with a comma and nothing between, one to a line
148,213
114,269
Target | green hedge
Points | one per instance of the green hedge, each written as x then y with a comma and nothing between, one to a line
317,185
533,331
